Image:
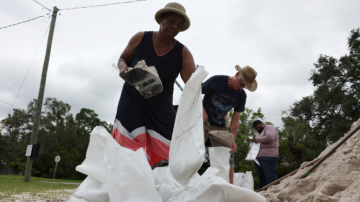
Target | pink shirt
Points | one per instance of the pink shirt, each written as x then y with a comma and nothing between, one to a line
269,140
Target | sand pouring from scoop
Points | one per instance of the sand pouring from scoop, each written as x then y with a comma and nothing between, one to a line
144,78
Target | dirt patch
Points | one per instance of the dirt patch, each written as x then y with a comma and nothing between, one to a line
48,196
74,183
337,179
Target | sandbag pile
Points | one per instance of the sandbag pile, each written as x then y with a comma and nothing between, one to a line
119,174
336,179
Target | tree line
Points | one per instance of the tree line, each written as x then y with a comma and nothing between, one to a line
316,121
308,126
60,133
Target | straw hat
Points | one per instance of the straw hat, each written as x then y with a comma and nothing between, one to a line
176,8
249,75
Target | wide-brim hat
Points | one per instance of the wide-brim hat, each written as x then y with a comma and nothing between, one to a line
248,74
176,8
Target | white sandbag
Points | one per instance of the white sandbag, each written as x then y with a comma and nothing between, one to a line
210,187
128,175
130,178
219,158
244,180
238,178
165,184
95,153
254,150
91,190
187,144
75,199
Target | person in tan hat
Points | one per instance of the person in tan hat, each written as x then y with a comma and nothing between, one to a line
223,93
148,123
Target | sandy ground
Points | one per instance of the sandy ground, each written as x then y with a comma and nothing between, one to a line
73,183
49,196
337,179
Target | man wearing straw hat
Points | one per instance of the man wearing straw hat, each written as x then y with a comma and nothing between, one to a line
223,93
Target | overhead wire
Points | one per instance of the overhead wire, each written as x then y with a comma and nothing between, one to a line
110,4
92,6
22,22
43,6
12,105
48,16
29,67
15,91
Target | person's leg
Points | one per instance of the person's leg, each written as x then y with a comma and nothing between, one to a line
231,171
231,175
268,166
207,143
260,174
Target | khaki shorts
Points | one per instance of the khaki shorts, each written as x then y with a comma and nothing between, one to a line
215,142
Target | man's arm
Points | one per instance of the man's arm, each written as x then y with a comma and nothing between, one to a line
234,126
205,116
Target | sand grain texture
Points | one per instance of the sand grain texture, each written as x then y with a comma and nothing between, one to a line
337,179
223,135
142,65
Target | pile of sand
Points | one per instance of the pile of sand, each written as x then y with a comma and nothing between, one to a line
223,135
142,65
336,179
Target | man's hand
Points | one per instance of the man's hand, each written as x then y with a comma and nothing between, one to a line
233,147
253,140
205,116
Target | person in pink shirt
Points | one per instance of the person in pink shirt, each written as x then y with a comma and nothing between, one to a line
269,150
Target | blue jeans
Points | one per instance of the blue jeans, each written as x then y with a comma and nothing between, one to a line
266,171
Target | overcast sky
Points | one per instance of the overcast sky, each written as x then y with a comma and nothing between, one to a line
281,40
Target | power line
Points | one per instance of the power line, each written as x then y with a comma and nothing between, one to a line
15,91
69,9
101,5
43,5
29,67
22,22
12,105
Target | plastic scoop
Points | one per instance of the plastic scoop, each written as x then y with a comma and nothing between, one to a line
148,84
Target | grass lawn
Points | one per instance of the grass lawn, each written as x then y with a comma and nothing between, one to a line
13,186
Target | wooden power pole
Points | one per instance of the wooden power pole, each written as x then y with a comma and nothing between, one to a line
29,161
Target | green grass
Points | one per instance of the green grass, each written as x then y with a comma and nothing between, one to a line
15,185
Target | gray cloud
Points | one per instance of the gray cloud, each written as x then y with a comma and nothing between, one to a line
280,39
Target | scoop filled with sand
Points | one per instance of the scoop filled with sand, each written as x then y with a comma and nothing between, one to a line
145,79
142,65
222,136
337,179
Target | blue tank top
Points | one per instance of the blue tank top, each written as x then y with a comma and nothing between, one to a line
157,112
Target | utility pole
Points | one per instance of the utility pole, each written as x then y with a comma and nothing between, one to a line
29,161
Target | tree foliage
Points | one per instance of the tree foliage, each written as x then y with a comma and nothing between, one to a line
59,134
335,103
296,144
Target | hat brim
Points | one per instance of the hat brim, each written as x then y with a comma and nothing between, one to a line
251,86
164,10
